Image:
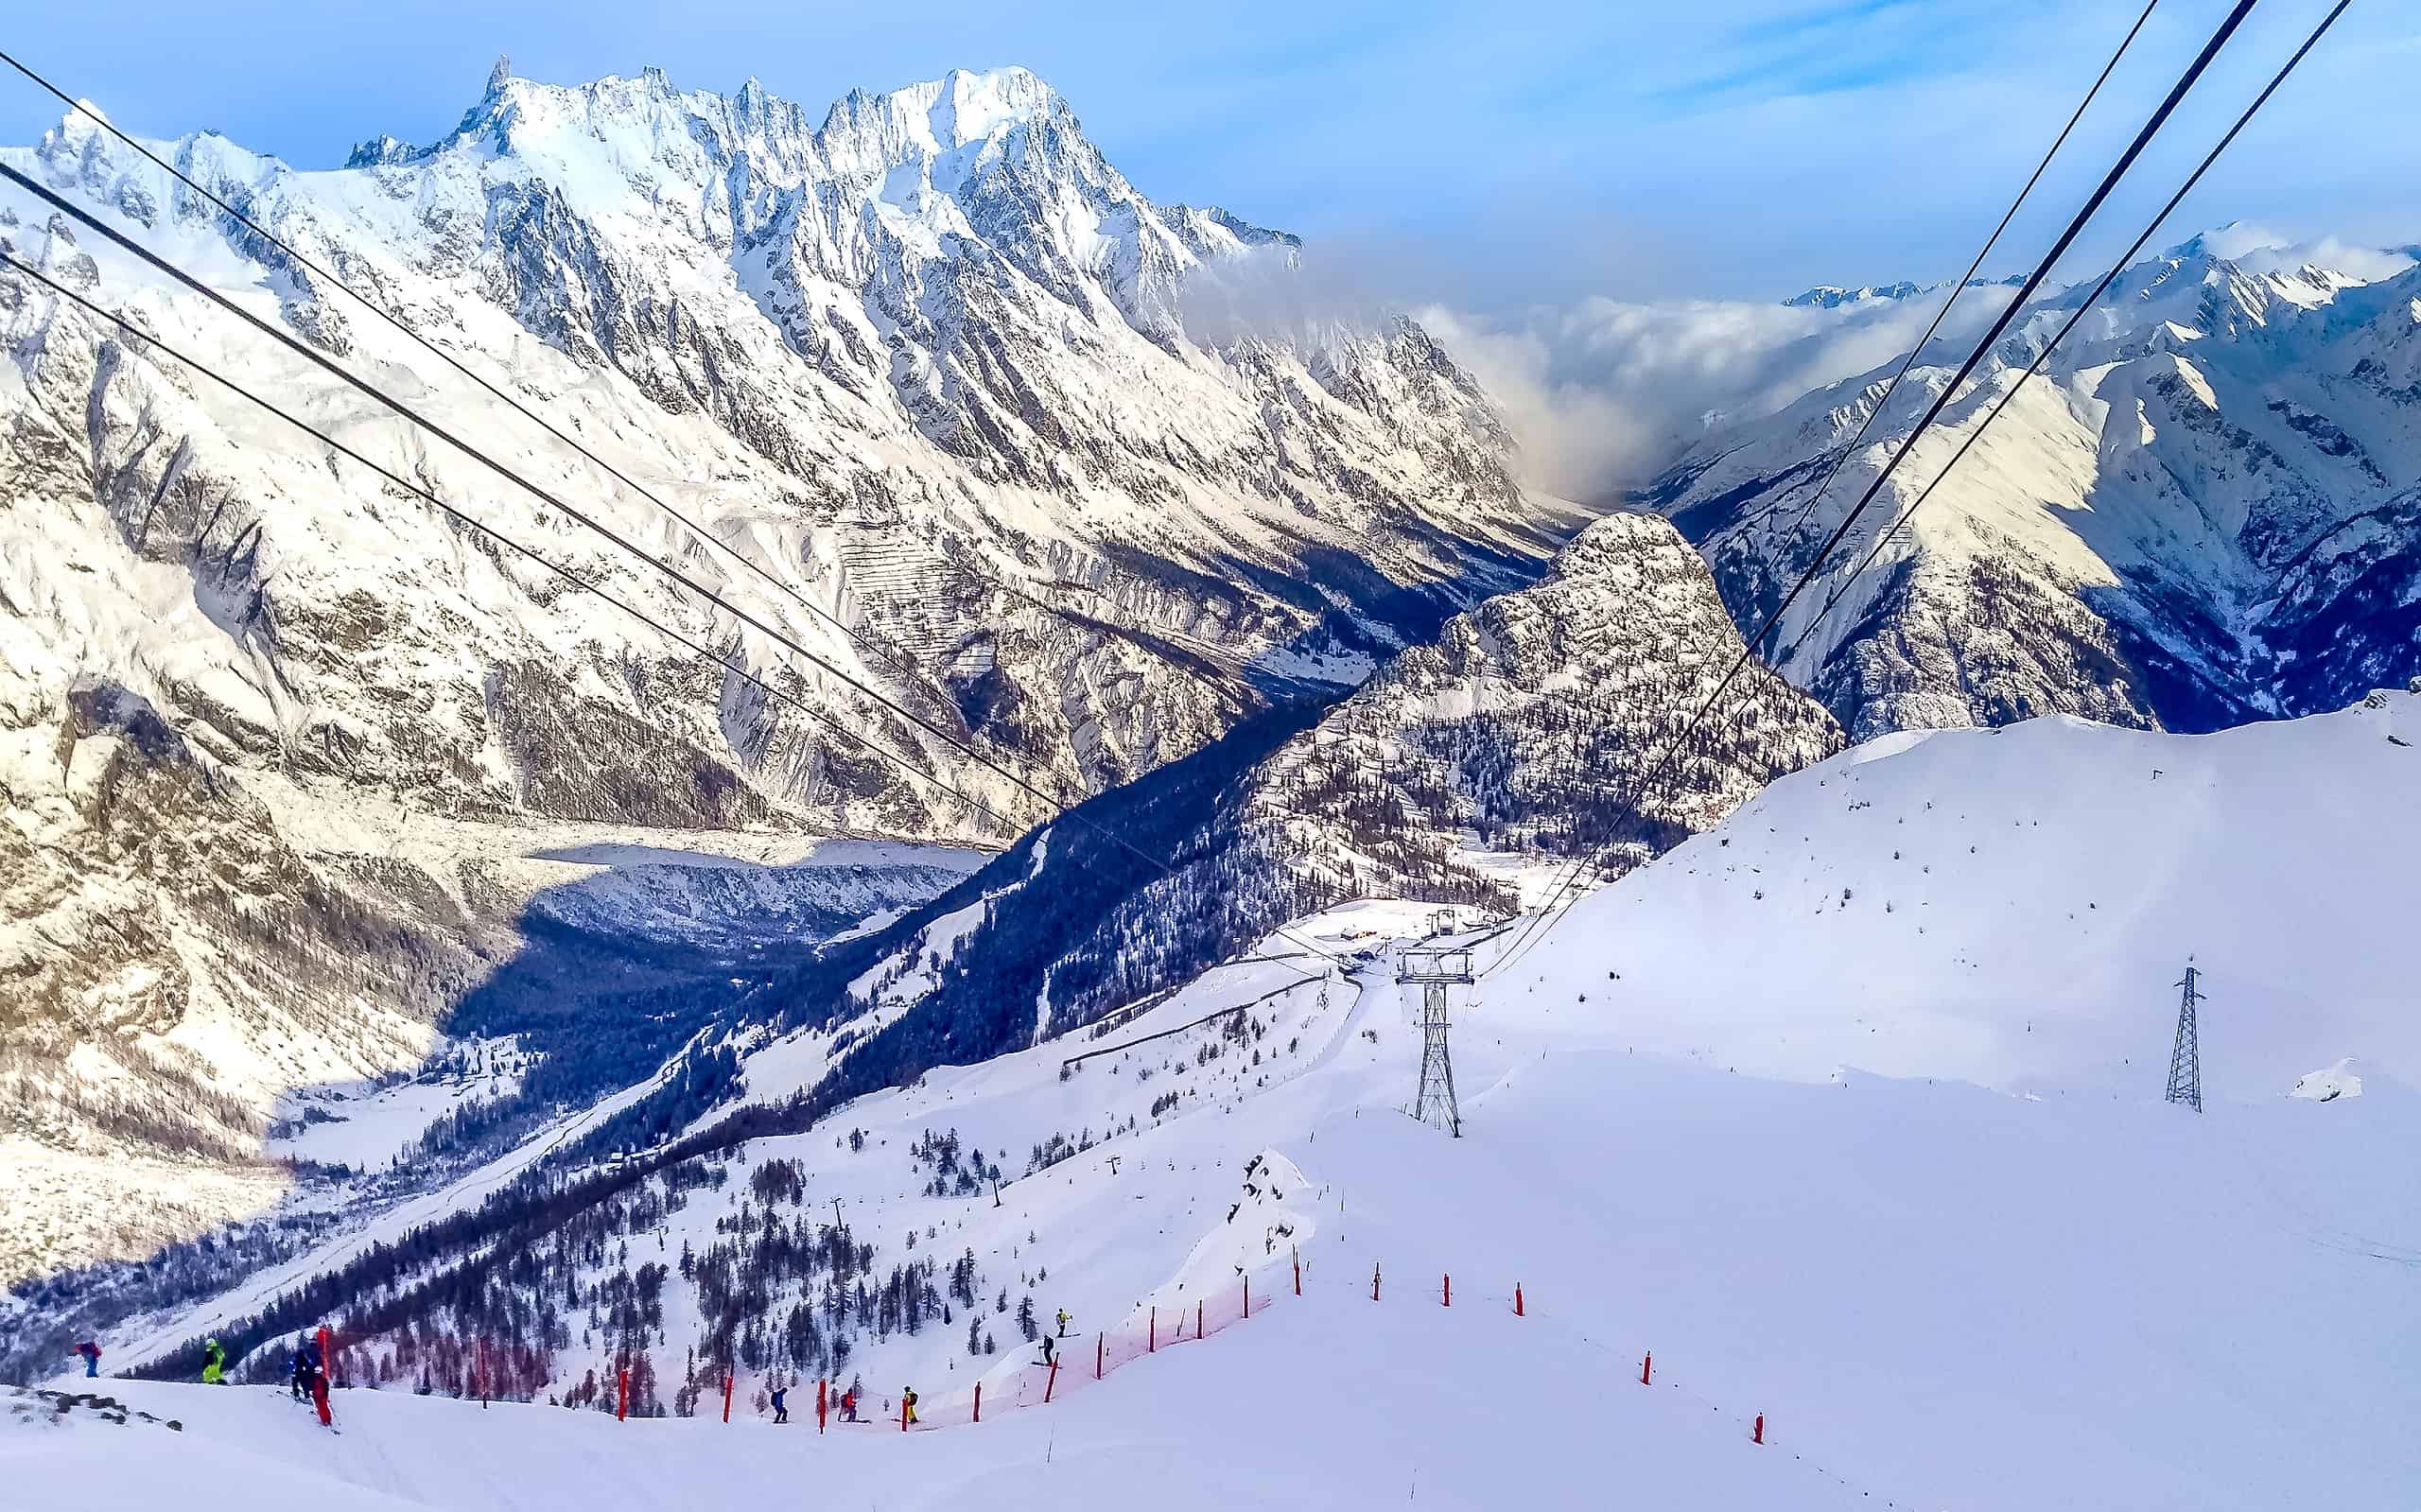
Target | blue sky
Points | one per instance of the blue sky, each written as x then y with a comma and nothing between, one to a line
1486,156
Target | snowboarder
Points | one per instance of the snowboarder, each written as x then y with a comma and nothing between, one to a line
92,1353
781,1409
907,1405
1064,1321
213,1364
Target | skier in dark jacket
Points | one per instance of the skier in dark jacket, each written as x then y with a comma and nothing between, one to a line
92,1353
781,1411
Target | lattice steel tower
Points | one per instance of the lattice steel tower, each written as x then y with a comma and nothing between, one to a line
2186,1057
1435,968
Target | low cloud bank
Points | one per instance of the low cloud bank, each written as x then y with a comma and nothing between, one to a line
1603,393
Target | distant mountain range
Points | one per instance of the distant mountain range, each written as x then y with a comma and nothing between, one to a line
2203,512
1828,297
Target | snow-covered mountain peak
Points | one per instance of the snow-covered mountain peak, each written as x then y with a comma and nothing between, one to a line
2199,512
1832,297
917,365
962,107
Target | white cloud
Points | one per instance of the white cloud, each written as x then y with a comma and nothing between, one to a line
1604,393
2264,250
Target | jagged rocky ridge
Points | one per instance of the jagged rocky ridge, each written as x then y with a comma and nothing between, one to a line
2200,512
926,362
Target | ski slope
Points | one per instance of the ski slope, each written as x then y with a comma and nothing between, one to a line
1234,1425
2011,906
1825,1173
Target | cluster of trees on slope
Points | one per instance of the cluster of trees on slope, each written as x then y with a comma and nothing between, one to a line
781,1286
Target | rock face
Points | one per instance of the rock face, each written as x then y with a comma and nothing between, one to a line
1523,733
2202,511
920,379
1533,725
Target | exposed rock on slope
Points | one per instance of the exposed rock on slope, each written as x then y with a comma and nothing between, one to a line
2202,512
1532,725
1521,733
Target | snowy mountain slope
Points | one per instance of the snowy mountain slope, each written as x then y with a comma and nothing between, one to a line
1942,1295
1524,731
1509,739
1152,1427
181,962
1482,754
923,364
907,361
2012,907
2198,514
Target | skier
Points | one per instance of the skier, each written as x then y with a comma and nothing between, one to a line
781,1411
1046,1348
849,1405
213,1364
306,1364
1064,1321
92,1353
908,1404
320,1396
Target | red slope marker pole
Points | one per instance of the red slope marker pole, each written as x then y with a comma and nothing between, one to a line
1516,1299
1647,1363
622,1396
1097,1344
1759,1435
1448,1292
1152,1340
979,1401
1248,1297
727,1396
1054,1379
1374,1283
819,1404
1197,1321
1298,1269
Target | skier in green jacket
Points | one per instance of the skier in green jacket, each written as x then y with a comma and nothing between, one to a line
213,1364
